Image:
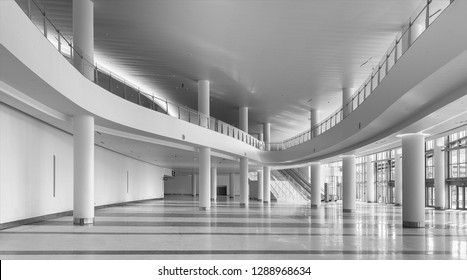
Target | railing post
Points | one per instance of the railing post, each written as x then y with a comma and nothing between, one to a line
395,51
124,91
96,76
379,74
45,24
167,107
29,9
110,82
59,42
387,64
427,19
71,50
179,117
139,95
371,82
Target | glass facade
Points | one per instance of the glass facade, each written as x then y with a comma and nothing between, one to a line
457,173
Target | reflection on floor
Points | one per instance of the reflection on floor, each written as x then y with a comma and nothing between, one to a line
174,228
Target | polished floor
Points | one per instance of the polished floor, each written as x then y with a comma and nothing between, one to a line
174,228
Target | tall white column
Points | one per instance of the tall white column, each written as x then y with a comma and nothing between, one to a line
243,119
267,135
313,121
348,183
205,153
413,180
267,169
83,169
316,185
194,184
83,37
204,178
260,185
267,184
244,190
440,174
346,95
232,186
370,180
203,102
213,184
398,179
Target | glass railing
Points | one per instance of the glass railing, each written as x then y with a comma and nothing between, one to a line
423,17
121,87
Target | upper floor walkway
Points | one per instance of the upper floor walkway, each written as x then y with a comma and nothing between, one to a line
429,75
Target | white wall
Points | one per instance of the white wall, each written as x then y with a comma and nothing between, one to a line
27,147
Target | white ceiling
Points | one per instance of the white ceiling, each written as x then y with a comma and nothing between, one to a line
272,56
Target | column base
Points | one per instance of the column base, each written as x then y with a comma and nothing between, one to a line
413,224
398,204
348,210
83,221
440,208
243,205
314,206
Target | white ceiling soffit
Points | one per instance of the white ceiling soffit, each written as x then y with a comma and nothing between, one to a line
272,56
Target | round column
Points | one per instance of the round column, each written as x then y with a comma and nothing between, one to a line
231,185
267,136
346,95
213,184
194,183
313,121
316,185
440,175
244,191
204,178
260,185
398,179
267,184
83,37
83,170
243,119
203,102
413,180
348,183
370,180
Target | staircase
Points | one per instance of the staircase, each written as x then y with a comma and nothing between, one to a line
302,181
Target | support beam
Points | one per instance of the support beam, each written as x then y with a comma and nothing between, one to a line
213,184
440,174
204,178
398,179
316,185
260,185
370,180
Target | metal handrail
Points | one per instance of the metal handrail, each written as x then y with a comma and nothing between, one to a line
141,98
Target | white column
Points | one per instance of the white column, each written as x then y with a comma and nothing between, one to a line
267,184
83,37
440,174
204,178
267,135
213,184
194,183
313,121
205,153
260,185
243,119
346,95
203,102
413,180
232,186
316,185
244,190
83,169
398,179
370,180
348,183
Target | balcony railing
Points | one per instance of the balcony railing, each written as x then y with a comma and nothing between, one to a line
422,19
121,87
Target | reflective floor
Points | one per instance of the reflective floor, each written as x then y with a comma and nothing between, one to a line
174,228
